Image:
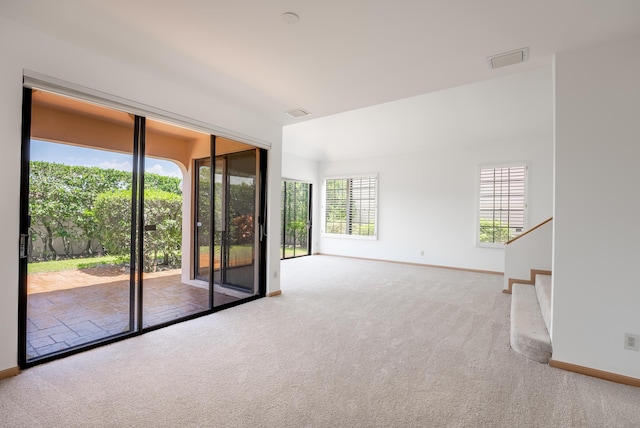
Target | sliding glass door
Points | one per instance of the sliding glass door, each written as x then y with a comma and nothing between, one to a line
78,225
169,293
236,243
127,227
295,219
202,226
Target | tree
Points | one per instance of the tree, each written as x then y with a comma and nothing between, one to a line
163,182
51,206
112,212
241,209
494,231
204,201
162,216
62,202
295,213
164,211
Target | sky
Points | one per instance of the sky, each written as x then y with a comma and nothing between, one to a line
73,155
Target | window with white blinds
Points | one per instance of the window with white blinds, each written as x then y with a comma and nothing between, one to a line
502,203
350,206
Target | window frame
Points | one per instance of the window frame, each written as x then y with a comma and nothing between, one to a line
477,227
375,206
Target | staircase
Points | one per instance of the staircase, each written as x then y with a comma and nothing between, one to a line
530,298
530,319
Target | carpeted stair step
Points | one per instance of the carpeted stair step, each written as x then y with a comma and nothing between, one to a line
543,292
529,334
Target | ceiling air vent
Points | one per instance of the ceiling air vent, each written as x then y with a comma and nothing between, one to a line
297,113
508,58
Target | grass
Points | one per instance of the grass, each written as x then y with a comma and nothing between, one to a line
238,252
289,252
73,264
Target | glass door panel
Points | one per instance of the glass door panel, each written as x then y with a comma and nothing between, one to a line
168,292
235,223
296,219
106,247
80,280
202,219
219,227
239,262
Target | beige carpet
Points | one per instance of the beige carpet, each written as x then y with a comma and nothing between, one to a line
349,343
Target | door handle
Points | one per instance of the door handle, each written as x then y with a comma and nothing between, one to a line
24,248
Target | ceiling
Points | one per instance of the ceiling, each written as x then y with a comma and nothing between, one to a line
346,55
340,56
517,108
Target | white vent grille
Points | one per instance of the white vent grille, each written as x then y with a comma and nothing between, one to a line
508,58
297,113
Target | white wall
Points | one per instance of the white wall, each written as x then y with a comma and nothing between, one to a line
533,252
596,291
274,179
297,167
427,167
23,48
427,201
302,169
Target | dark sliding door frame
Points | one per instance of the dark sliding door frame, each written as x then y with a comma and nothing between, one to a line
212,218
137,227
138,148
309,219
197,218
224,227
24,227
136,289
262,224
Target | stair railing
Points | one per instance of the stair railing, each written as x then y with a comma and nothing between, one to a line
528,254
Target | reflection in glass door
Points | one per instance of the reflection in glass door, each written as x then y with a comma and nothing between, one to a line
202,227
295,219
239,253
235,225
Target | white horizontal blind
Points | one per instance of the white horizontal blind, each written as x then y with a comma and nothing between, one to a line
350,206
362,206
336,202
502,203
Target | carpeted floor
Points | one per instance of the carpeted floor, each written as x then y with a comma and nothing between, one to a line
349,343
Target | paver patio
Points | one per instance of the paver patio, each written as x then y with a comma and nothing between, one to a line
69,308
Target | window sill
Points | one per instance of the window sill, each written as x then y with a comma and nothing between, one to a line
494,246
357,237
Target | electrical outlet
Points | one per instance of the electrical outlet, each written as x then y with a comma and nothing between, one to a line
275,274
422,252
632,342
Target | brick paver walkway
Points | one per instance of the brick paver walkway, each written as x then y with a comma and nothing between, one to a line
70,308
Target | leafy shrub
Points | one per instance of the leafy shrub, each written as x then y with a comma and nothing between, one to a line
163,210
494,231
62,203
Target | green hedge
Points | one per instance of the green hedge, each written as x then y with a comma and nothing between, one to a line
163,213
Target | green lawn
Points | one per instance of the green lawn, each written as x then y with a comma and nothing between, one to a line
72,264
288,252
237,252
